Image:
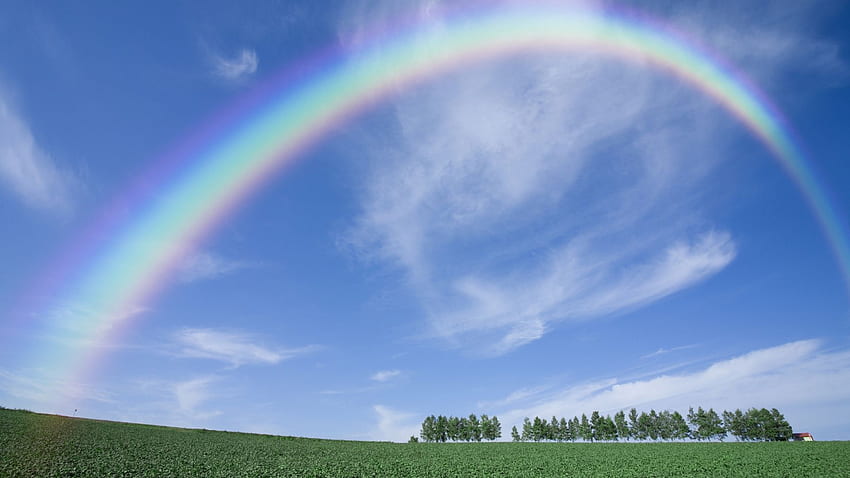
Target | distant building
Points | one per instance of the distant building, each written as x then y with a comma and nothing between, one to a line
805,436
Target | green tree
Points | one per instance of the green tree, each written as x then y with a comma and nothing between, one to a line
701,428
464,432
783,430
769,424
543,430
643,426
595,425
575,429
610,428
693,423
761,425
527,431
515,434
495,428
442,429
703,424
538,429
453,430
584,430
736,423
474,427
554,429
484,426
652,424
490,428
633,423
714,425
413,439
563,430
429,425
681,431
622,426
665,425
752,428
729,423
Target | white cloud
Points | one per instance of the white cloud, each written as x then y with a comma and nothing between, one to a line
33,389
235,348
236,68
520,395
184,403
190,394
515,195
393,425
575,283
207,265
811,386
663,351
28,171
358,20
385,375
768,41
74,318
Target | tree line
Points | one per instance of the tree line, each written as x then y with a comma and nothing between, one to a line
442,429
752,425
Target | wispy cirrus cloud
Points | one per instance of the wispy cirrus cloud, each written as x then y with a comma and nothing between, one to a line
382,377
577,284
191,394
385,375
232,347
517,396
33,389
663,351
779,36
234,68
205,265
28,171
518,194
69,318
184,402
393,425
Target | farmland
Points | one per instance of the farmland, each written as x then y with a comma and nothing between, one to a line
44,445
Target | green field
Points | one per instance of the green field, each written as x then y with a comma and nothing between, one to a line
45,445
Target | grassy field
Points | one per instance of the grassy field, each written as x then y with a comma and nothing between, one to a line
44,445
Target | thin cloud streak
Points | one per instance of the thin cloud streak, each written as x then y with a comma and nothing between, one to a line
28,171
567,289
190,394
663,351
37,390
187,402
236,68
393,425
235,348
206,265
385,375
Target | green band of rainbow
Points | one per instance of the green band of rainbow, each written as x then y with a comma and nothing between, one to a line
137,262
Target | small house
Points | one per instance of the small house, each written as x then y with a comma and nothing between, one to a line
805,436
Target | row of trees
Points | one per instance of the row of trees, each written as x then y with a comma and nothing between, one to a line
442,429
752,425
757,425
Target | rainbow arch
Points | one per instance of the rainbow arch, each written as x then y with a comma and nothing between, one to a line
287,117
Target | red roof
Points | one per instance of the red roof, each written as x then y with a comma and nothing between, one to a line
804,434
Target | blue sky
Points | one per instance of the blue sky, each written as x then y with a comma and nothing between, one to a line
536,235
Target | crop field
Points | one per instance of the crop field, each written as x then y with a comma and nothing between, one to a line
44,445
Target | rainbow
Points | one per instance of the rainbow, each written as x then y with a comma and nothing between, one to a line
292,112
